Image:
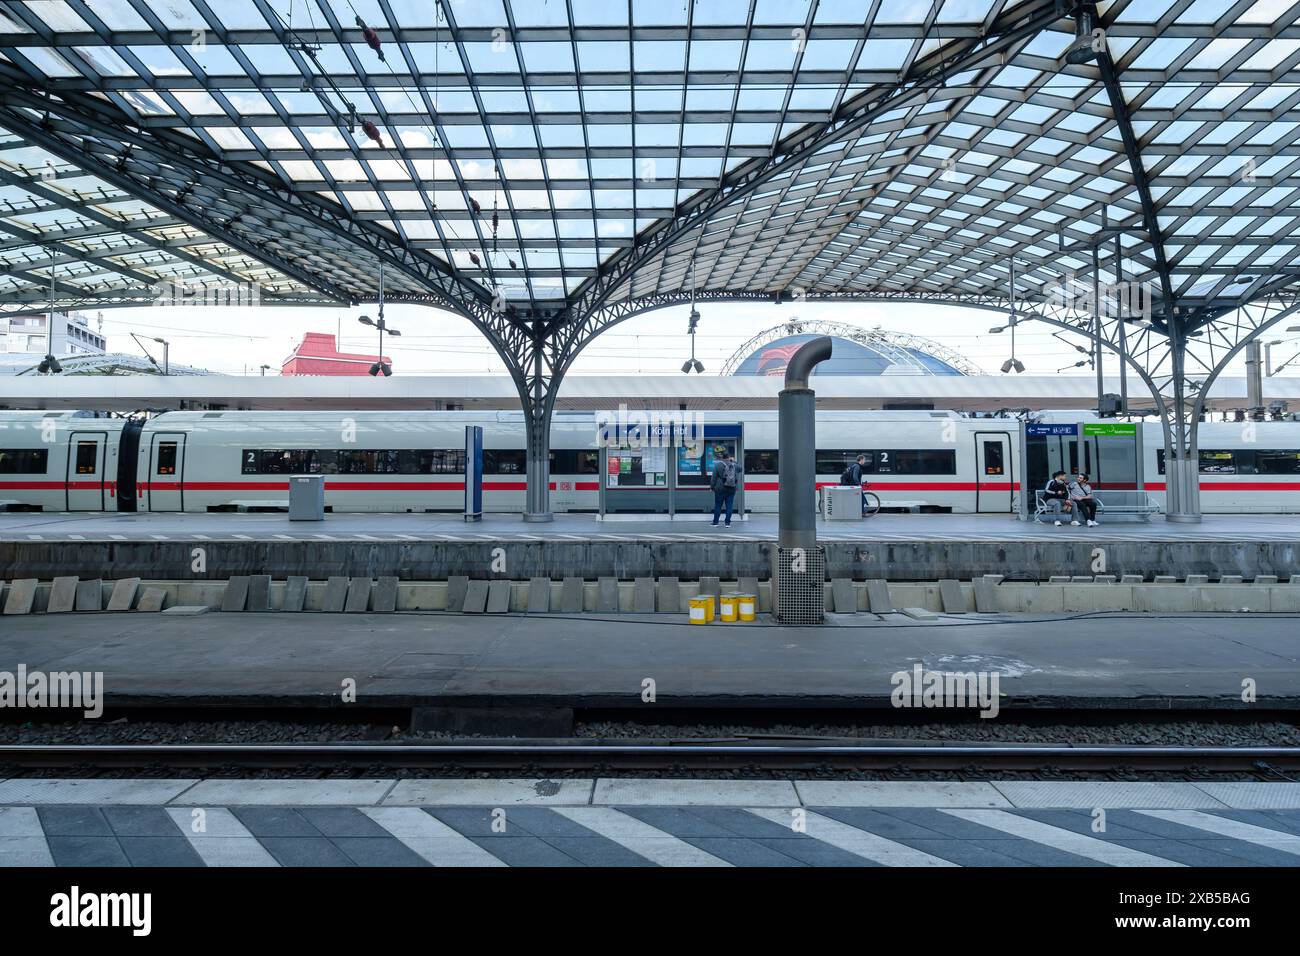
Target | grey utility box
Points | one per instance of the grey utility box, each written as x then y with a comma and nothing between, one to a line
842,503
307,498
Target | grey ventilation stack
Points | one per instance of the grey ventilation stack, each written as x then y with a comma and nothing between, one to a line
799,574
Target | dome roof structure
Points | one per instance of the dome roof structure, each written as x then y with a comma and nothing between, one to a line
857,351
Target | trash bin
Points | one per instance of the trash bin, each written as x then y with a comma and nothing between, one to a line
307,498
842,503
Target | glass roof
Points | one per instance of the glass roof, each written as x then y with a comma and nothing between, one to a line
585,153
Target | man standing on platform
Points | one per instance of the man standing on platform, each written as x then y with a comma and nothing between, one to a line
726,477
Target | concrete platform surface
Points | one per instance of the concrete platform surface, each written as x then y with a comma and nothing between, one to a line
1107,660
168,526
639,823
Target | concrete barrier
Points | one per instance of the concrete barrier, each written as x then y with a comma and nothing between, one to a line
919,560
1013,597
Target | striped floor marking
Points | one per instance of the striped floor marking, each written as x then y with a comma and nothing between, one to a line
201,537
1111,854
1235,829
408,537
432,839
242,537
224,841
641,838
861,843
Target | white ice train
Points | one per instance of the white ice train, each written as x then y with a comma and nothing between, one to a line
414,461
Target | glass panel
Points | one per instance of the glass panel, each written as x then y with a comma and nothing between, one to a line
167,458
23,461
87,456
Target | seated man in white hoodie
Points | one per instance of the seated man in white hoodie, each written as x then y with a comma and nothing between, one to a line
1085,505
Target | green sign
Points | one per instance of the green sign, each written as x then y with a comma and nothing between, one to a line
1114,430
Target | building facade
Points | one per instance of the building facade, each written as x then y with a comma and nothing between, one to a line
318,354
69,334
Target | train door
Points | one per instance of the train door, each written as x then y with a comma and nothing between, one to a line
993,478
166,470
87,457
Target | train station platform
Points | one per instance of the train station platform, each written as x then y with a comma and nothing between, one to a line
550,668
430,547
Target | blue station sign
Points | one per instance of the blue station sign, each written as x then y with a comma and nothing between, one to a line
1068,431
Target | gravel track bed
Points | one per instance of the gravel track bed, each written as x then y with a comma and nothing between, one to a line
1174,733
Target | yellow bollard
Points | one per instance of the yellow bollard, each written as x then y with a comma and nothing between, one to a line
747,606
700,610
729,607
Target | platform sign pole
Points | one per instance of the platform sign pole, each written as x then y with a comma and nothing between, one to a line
473,472
1140,449
1025,490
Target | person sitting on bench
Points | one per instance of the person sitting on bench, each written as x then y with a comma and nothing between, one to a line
1081,495
1056,496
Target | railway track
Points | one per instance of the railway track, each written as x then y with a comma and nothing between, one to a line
653,755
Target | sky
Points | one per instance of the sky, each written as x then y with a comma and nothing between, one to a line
238,341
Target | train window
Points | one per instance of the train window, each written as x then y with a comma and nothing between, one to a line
23,461
1218,463
912,461
1277,462
277,461
761,463
166,458
87,456
504,461
993,461
369,462
834,462
442,461
574,462
1214,462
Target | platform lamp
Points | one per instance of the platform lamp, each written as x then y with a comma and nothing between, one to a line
1085,24
1013,362
380,367
49,365
692,364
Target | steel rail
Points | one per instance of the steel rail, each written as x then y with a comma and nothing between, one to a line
659,754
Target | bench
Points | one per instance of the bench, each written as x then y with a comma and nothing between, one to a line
1110,503
1136,503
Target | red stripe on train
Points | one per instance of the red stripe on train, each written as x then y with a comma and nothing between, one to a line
899,486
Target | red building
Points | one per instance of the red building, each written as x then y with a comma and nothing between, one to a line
318,354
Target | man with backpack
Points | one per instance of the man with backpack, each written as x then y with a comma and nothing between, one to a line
726,478
853,477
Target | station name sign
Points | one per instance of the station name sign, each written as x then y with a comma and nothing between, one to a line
649,428
1068,431
1110,429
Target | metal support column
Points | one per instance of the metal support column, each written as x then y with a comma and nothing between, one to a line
1182,458
1097,330
537,413
1121,321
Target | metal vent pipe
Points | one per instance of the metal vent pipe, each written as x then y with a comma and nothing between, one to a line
797,405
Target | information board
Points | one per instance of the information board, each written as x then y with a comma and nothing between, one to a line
1110,429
